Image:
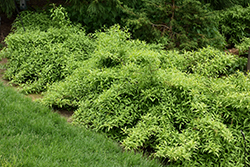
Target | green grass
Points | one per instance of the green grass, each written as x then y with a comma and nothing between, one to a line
32,135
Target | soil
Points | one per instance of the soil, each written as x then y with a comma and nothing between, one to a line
234,51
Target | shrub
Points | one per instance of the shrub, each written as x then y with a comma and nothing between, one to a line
1,46
243,46
234,24
213,63
209,62
99,71
154,101
43,55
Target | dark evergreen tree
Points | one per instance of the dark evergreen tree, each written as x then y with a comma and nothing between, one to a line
186,24
222,4
7,6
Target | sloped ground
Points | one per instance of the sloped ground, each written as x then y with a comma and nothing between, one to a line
31,135
64,113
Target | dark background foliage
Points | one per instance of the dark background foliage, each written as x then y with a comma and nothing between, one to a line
183,24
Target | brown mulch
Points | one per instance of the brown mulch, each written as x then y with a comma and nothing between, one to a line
234,51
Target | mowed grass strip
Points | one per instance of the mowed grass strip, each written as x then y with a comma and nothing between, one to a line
32,135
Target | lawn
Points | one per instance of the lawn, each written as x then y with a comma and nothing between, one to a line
33,135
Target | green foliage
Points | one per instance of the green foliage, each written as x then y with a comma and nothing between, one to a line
213,63
208,62
143,97
223,4
196,27
33,135
112,49
234,23
243,46
42,54
187,135
184,108
7,6
185,24
95,14
1,46
191,143
59,16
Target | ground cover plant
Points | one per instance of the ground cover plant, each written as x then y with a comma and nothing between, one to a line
243,47
169,104
32,135
187,108
46,55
